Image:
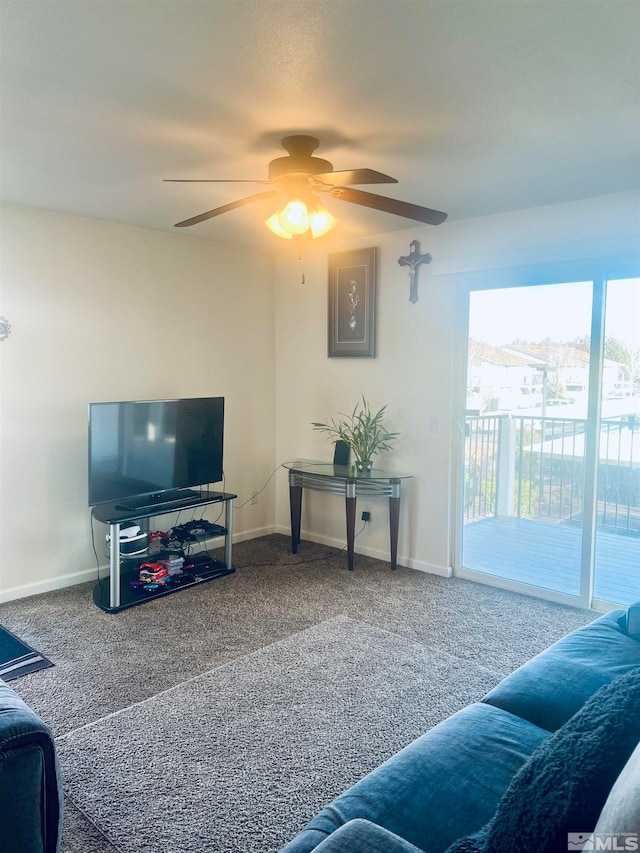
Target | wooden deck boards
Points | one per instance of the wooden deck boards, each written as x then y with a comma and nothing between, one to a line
548,555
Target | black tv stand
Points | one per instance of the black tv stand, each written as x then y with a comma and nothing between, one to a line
111,594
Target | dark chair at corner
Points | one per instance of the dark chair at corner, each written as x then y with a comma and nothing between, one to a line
30,780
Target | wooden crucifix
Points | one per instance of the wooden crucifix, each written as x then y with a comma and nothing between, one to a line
413,261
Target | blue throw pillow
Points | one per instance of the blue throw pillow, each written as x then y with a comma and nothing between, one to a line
564,785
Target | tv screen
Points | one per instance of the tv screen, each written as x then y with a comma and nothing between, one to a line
147,448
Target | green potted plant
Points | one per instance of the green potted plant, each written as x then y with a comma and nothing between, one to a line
363,431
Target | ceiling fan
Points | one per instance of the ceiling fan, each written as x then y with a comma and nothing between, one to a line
297,181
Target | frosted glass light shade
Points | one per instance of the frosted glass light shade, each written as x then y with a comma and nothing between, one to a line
296,218
273,223
321,221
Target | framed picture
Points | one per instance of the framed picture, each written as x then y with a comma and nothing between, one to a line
352,303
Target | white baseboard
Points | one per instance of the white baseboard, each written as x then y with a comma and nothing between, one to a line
430,568
48,585
86,575
255,533
407,562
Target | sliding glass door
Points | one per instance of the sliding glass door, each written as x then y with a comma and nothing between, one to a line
550,496
617,527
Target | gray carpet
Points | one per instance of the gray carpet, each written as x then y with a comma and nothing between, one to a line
105,662
234,759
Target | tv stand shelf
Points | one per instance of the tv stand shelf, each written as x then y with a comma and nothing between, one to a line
114,593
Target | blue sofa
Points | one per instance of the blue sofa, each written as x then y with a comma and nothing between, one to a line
535,760
30,781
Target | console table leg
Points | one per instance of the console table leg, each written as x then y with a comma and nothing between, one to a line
350,502
295,501
394,521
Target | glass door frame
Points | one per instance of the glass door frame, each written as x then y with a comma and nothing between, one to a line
597,271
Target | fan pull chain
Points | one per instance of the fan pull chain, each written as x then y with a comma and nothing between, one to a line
300,259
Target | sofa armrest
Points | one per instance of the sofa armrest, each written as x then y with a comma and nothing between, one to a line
30,780
630,621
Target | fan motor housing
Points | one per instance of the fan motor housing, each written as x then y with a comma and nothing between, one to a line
299,162
284,166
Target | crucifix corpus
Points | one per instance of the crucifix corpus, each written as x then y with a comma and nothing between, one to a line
413,261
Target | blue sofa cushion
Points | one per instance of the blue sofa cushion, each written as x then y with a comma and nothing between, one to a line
445,784
551,687
362,836
565,784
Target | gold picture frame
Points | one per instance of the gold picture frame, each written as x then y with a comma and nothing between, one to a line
352,304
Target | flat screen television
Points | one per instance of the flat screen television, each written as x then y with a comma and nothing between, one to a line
148,452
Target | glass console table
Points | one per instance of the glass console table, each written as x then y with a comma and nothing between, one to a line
344,480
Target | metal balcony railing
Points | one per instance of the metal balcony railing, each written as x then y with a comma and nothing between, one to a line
532,467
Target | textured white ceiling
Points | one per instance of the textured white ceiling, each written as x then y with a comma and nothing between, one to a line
476,106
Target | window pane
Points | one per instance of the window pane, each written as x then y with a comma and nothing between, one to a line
527,387
617,552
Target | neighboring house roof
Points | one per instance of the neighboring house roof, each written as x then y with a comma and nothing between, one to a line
555,354
532,355
483,353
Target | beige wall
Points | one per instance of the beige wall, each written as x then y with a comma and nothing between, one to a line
108,312
414,371
104,312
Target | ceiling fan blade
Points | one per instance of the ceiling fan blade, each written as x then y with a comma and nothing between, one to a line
355,176
226,207
213,181
389,205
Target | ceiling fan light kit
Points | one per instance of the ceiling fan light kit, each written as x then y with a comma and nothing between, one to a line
299,176
298,217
